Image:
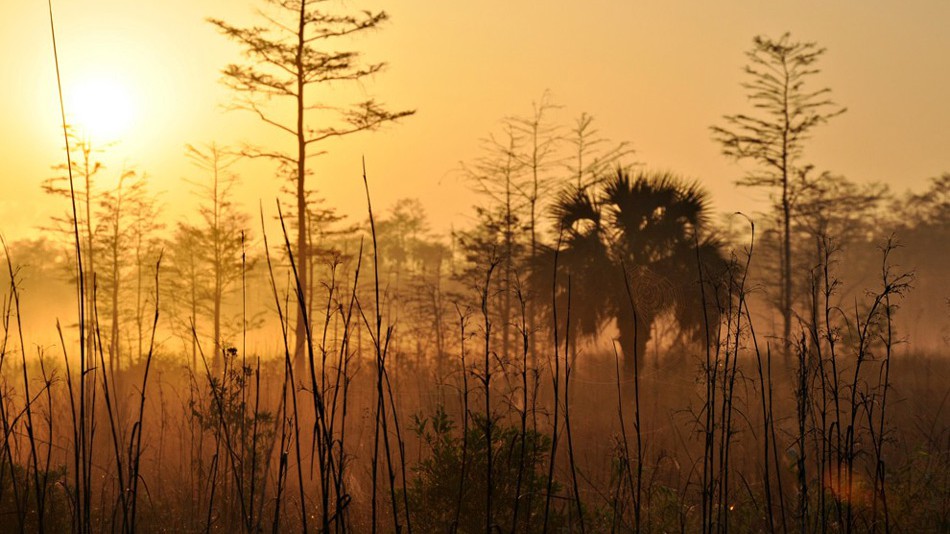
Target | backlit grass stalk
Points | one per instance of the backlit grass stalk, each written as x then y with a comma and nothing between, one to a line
822,447
638,488
224,430
109,397
463,321
888,340
288,388
892,286
330,457
710,372
340,401
825,337
769,448
555,382
625,467
40,484
48,391
567,412
7,458
135,441
322,433
381,346
864,324
803,373
485,379
737,294
82,497
522,415
325,445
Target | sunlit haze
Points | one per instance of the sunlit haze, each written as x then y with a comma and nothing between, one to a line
519,266
655,75
102,107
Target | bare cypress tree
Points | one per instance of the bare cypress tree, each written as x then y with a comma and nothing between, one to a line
590,160
499,176
539,158
118,233
146,248
86,166
219,237
288,58
187,286
773,135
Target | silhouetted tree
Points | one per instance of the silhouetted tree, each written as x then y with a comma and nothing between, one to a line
41,264
924,231
540,157
186,284
288,57
121,230
400,234
85,166
113,221
414,261
833,211
632,249
592,156
219,239
499,176
325,235
931,207
146,245
785,113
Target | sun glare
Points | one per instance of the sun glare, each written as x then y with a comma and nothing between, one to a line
100,108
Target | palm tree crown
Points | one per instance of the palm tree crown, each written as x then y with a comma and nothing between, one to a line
633,249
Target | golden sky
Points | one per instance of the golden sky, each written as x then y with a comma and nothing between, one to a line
656,74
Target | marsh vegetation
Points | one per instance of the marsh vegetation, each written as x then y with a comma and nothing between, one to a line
597,350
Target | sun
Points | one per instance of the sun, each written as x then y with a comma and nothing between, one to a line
100,108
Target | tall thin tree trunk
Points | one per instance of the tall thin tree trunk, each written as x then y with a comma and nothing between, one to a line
194,316
786,267
303,258
532,347
786,220
787,224
218,267
90,256
114,340
509,252
139,319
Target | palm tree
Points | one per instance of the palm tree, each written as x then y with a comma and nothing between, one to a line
634,249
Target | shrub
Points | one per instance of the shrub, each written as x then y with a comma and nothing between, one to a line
438,492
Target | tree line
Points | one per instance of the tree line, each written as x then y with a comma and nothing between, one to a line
632,247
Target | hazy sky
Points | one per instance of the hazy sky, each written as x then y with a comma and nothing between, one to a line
656,74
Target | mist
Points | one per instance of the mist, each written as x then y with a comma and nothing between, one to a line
328,301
